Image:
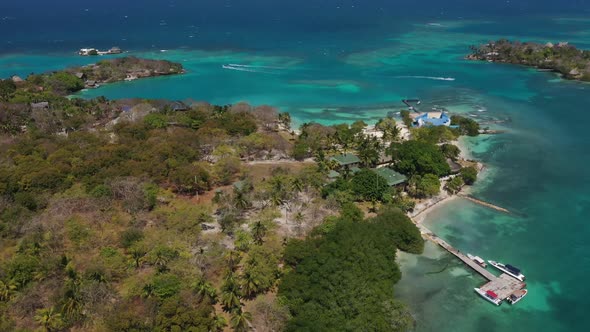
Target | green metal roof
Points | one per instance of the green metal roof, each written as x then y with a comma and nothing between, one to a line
355,170
333,174
393,178
346,159
239,185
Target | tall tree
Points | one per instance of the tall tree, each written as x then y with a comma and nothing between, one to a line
388,128
258,232
241,320
49,319
219,323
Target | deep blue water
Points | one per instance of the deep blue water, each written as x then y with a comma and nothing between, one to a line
37,25
332,61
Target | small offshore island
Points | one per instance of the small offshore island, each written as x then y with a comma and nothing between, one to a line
74,79
563,58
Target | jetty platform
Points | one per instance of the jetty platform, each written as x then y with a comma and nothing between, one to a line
503,286
482,203
409,102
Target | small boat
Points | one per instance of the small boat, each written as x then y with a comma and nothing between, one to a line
489,296
517,296
478,260
508,269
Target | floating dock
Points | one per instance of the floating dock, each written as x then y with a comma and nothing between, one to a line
503,286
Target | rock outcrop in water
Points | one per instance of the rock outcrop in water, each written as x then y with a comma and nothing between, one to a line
563,58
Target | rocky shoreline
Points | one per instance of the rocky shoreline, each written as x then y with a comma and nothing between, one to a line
124,69
571,63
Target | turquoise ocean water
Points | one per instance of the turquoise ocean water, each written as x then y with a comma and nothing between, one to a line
333,71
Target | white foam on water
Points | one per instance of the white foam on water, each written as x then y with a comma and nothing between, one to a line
429,78
249,69
230,67
252,66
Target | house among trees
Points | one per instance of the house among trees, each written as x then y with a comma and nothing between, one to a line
432,119
455,167
91,84
333,175
178,106
393,178
346,160
347,163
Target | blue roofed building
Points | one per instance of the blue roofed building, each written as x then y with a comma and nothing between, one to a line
432,119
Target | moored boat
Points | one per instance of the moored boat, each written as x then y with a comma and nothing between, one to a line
478,260
509,270
517,296
489,296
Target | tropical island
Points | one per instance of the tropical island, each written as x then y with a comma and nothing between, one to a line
140,215
563,58
72,80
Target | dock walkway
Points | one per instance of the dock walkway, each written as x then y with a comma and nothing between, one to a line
503,286
484,273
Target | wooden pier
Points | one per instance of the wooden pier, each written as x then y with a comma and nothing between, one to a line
432,237
503,286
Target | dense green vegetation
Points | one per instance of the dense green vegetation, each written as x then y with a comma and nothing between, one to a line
417,157
343,279
467,126
469,175
151,215
563,58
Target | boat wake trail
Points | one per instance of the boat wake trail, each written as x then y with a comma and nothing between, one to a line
251,69
429,78
230,67
254,67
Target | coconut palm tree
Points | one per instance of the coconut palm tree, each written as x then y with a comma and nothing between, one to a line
206,291
138,254
241,200
230,299
148,290
233,258
240,320
258,232
72,305
7,289
219,323
297,185
276,199
49,319
299,221
243,240
161,260
250,284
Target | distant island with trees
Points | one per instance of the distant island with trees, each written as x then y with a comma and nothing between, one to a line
563,58
72,80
